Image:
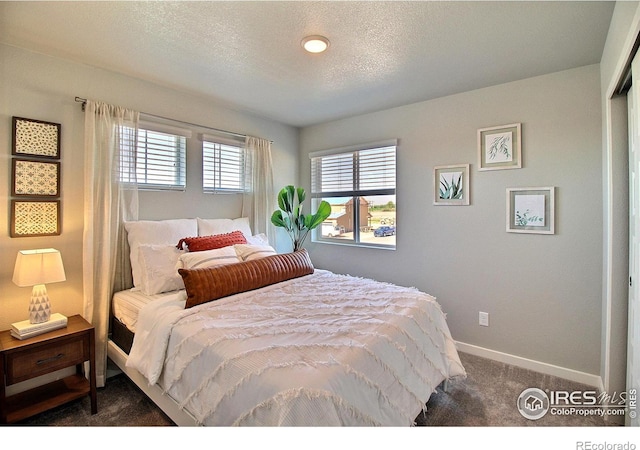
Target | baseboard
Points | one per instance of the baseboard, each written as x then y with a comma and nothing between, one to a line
530,364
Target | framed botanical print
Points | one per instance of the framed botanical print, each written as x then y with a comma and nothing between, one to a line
35,138
531,210
35,178
500,147
451,185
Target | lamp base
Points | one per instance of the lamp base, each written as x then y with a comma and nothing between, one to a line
39,307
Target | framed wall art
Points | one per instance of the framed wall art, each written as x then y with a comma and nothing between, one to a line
35,178
531,210
35,138
35,218
500,147
451,185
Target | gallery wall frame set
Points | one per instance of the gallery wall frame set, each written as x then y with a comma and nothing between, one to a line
500,147
528,210
451,185
35,178
531,210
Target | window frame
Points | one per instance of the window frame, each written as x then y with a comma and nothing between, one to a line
243,166
180,156
354,194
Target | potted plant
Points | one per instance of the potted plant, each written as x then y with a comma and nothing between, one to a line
290,216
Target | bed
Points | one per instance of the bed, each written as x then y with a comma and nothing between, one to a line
256,338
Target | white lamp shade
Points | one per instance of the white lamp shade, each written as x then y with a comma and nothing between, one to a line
39,266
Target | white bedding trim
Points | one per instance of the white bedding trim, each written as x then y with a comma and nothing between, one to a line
207,381
362,378
155,322
153,329
366,352
127,304
313,395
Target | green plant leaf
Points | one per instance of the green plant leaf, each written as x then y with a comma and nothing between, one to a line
324,211
287,194
277,219
301,195
282,199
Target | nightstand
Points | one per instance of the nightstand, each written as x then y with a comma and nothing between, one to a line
22,360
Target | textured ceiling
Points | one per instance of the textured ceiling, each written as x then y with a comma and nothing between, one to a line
382,54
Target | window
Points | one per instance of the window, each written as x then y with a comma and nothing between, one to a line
161,159
360,185
224,165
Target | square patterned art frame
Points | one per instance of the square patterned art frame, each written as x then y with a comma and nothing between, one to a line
35,138
30,177
34,217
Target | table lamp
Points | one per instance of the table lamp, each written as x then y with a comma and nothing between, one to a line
36,268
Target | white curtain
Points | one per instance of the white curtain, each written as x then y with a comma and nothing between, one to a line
111,197
259,201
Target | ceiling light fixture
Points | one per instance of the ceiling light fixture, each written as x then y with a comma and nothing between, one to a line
315,44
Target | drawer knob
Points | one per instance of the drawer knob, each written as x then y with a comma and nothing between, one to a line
48,360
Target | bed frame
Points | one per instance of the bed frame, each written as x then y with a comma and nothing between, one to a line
118,348
121,335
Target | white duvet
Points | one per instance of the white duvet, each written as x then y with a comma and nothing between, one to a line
323,349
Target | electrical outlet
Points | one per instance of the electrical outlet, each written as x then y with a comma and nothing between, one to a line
483,319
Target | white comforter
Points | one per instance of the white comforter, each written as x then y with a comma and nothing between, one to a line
323,349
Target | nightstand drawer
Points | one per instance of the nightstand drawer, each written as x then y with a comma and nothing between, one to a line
45,359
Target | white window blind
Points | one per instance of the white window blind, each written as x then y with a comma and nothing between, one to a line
371,171
224,165
161,160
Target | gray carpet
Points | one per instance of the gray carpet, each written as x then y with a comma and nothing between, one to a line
487,397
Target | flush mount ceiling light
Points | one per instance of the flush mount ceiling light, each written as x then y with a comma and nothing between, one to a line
315,44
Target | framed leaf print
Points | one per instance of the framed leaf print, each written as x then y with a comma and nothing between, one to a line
500,147
451,185
531,210
35,178
35,138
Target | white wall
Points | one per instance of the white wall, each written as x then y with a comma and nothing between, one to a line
41,87
620,40
543,293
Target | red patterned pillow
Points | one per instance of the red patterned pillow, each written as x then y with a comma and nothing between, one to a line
200,243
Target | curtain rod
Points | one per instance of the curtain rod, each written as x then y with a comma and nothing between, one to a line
231,133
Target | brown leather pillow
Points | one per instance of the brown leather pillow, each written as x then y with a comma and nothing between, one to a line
212,283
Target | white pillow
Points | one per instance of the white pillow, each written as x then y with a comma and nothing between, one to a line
208,227
158,265
207,258
155,232
248,252
258,239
